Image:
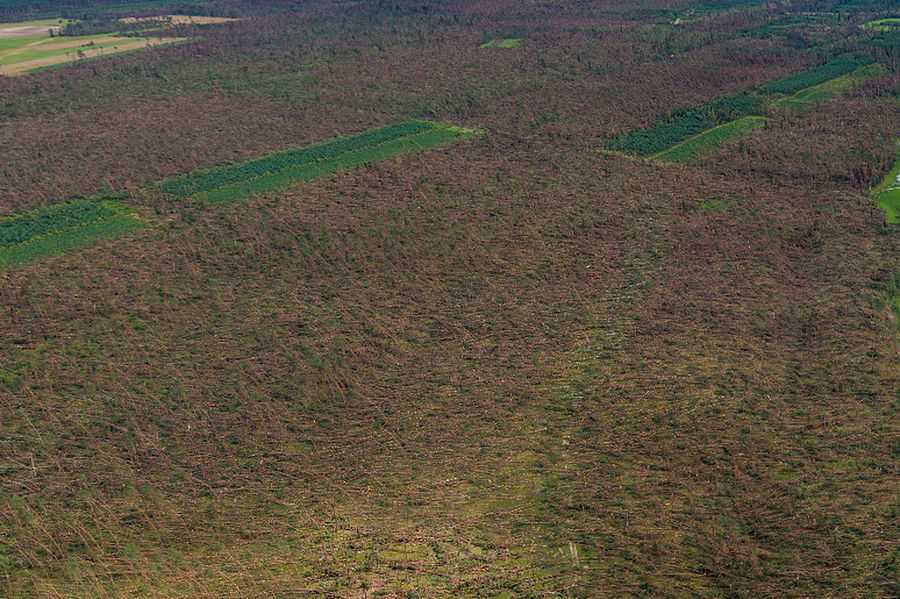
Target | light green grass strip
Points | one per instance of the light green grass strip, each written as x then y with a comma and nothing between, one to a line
692,148
833,87
437,136
887,194
44,51
54,230
884,25
506,42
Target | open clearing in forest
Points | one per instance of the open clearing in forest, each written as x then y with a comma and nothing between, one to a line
24,50
56,229
684,136
281,169
691,149
884,25
887,195
505,42
829,88
683,125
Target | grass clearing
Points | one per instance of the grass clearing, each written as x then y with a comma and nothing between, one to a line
691,149
814,76
715,204
887,194
830,88
884,25
683,125
60,228
279,170
504,42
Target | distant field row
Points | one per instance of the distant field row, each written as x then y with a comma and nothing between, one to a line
67,226
278,170
686,135
31,45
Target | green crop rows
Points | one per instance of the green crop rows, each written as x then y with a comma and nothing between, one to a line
71,225
684,136
829,88
278,170
814,76
683,125
61,227
691,149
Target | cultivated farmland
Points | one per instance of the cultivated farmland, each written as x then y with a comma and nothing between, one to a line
281,169
692,148
684,124
60,228
28,48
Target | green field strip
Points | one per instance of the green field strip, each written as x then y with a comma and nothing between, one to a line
887,194
830,88
212,178
63,227
884,25
505,42
694,147
683,125
44,51
686,134
811,77
280,170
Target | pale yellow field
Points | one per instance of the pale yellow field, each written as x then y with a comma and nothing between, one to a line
179,20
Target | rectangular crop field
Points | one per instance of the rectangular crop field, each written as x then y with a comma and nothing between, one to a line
694,147
26,49
814,76
830,88
60,228
280,169
683,125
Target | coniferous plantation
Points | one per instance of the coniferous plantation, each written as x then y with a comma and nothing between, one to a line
459,298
